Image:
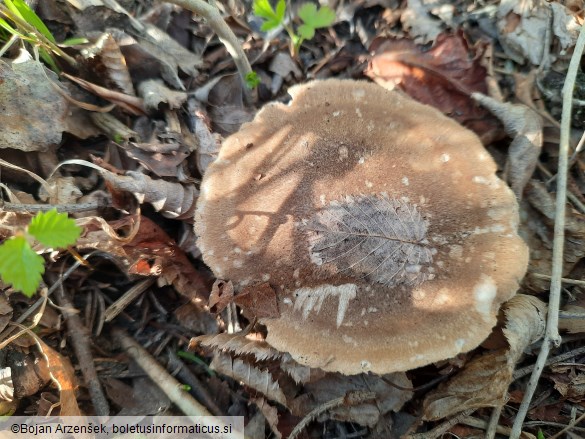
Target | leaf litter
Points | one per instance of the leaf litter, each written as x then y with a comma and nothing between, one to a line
435,51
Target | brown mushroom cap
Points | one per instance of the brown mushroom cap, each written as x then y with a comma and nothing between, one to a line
379,223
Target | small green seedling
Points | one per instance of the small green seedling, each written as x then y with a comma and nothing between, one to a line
20,265
311,17
252,80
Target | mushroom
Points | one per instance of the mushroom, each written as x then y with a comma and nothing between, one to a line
379,223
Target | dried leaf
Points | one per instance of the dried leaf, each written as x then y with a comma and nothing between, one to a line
163,159
373,237
333,385
485,380
443,77
238,344
260,300
250,375
131,104
522,27
154,92
173,200
111,67
62,372
524,125
149,243
222,294
208,142
270,414
416,19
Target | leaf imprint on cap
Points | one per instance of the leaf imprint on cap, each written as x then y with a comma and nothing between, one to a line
373,237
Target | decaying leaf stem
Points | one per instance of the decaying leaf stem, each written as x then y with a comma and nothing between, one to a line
552,333
226,36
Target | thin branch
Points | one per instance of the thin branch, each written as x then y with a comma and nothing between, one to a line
226,36
552,333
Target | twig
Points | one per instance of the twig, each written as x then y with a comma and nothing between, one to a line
351,399
564,280
80,340
551,336
441,429
492,425
226,36
172,388
568,427
128,297
68,208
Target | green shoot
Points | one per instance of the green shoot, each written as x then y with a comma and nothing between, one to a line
252,80
540,434
311,17
19,20
20,265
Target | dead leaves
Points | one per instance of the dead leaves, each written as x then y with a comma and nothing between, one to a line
525,127
484,381
444,77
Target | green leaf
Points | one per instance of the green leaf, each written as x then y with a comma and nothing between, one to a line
20,8
4,24
540,434
54,229
252,80
263,9
323,17
75,41
20,265
306,32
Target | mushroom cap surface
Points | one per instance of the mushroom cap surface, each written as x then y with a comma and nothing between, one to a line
380,224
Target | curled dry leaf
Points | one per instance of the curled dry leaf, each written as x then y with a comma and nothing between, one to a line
163,159
208,143
33,111
444,77
238,345
222,294
171,199
386,397
527,28
250,375
154,92
417,20
524,125
484,381
150,243
108,62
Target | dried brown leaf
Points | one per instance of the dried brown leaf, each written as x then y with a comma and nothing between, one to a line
260,300
238,344
250,375
163,159
333,385
524,125
222,294
173,200
150,243
373,237
108,63
443,77
154,92
484,381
